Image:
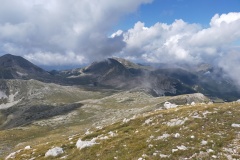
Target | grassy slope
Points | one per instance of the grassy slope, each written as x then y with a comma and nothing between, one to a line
95,112
36,93
143,136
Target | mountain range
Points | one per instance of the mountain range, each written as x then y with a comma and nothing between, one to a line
105,103
121,74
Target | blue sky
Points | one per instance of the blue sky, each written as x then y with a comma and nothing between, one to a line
191,11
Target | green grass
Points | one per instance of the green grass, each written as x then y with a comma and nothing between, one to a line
134,139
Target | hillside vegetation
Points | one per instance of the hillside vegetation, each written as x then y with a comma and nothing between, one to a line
197,131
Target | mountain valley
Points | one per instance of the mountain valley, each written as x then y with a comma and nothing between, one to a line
115,107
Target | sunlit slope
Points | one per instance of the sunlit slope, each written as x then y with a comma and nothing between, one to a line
200,131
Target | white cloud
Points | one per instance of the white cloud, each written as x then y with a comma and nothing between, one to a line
230,63
57,27
55,58
159,43
223,30
224,19
181,41
117,34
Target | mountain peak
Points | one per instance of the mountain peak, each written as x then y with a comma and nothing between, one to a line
12,57
13,66
103,66
130,65
9,55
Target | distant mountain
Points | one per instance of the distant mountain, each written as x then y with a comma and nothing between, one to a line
122,74
214,82
133,66
107,69
118,73
16,67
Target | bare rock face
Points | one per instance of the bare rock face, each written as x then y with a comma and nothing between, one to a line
54,152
